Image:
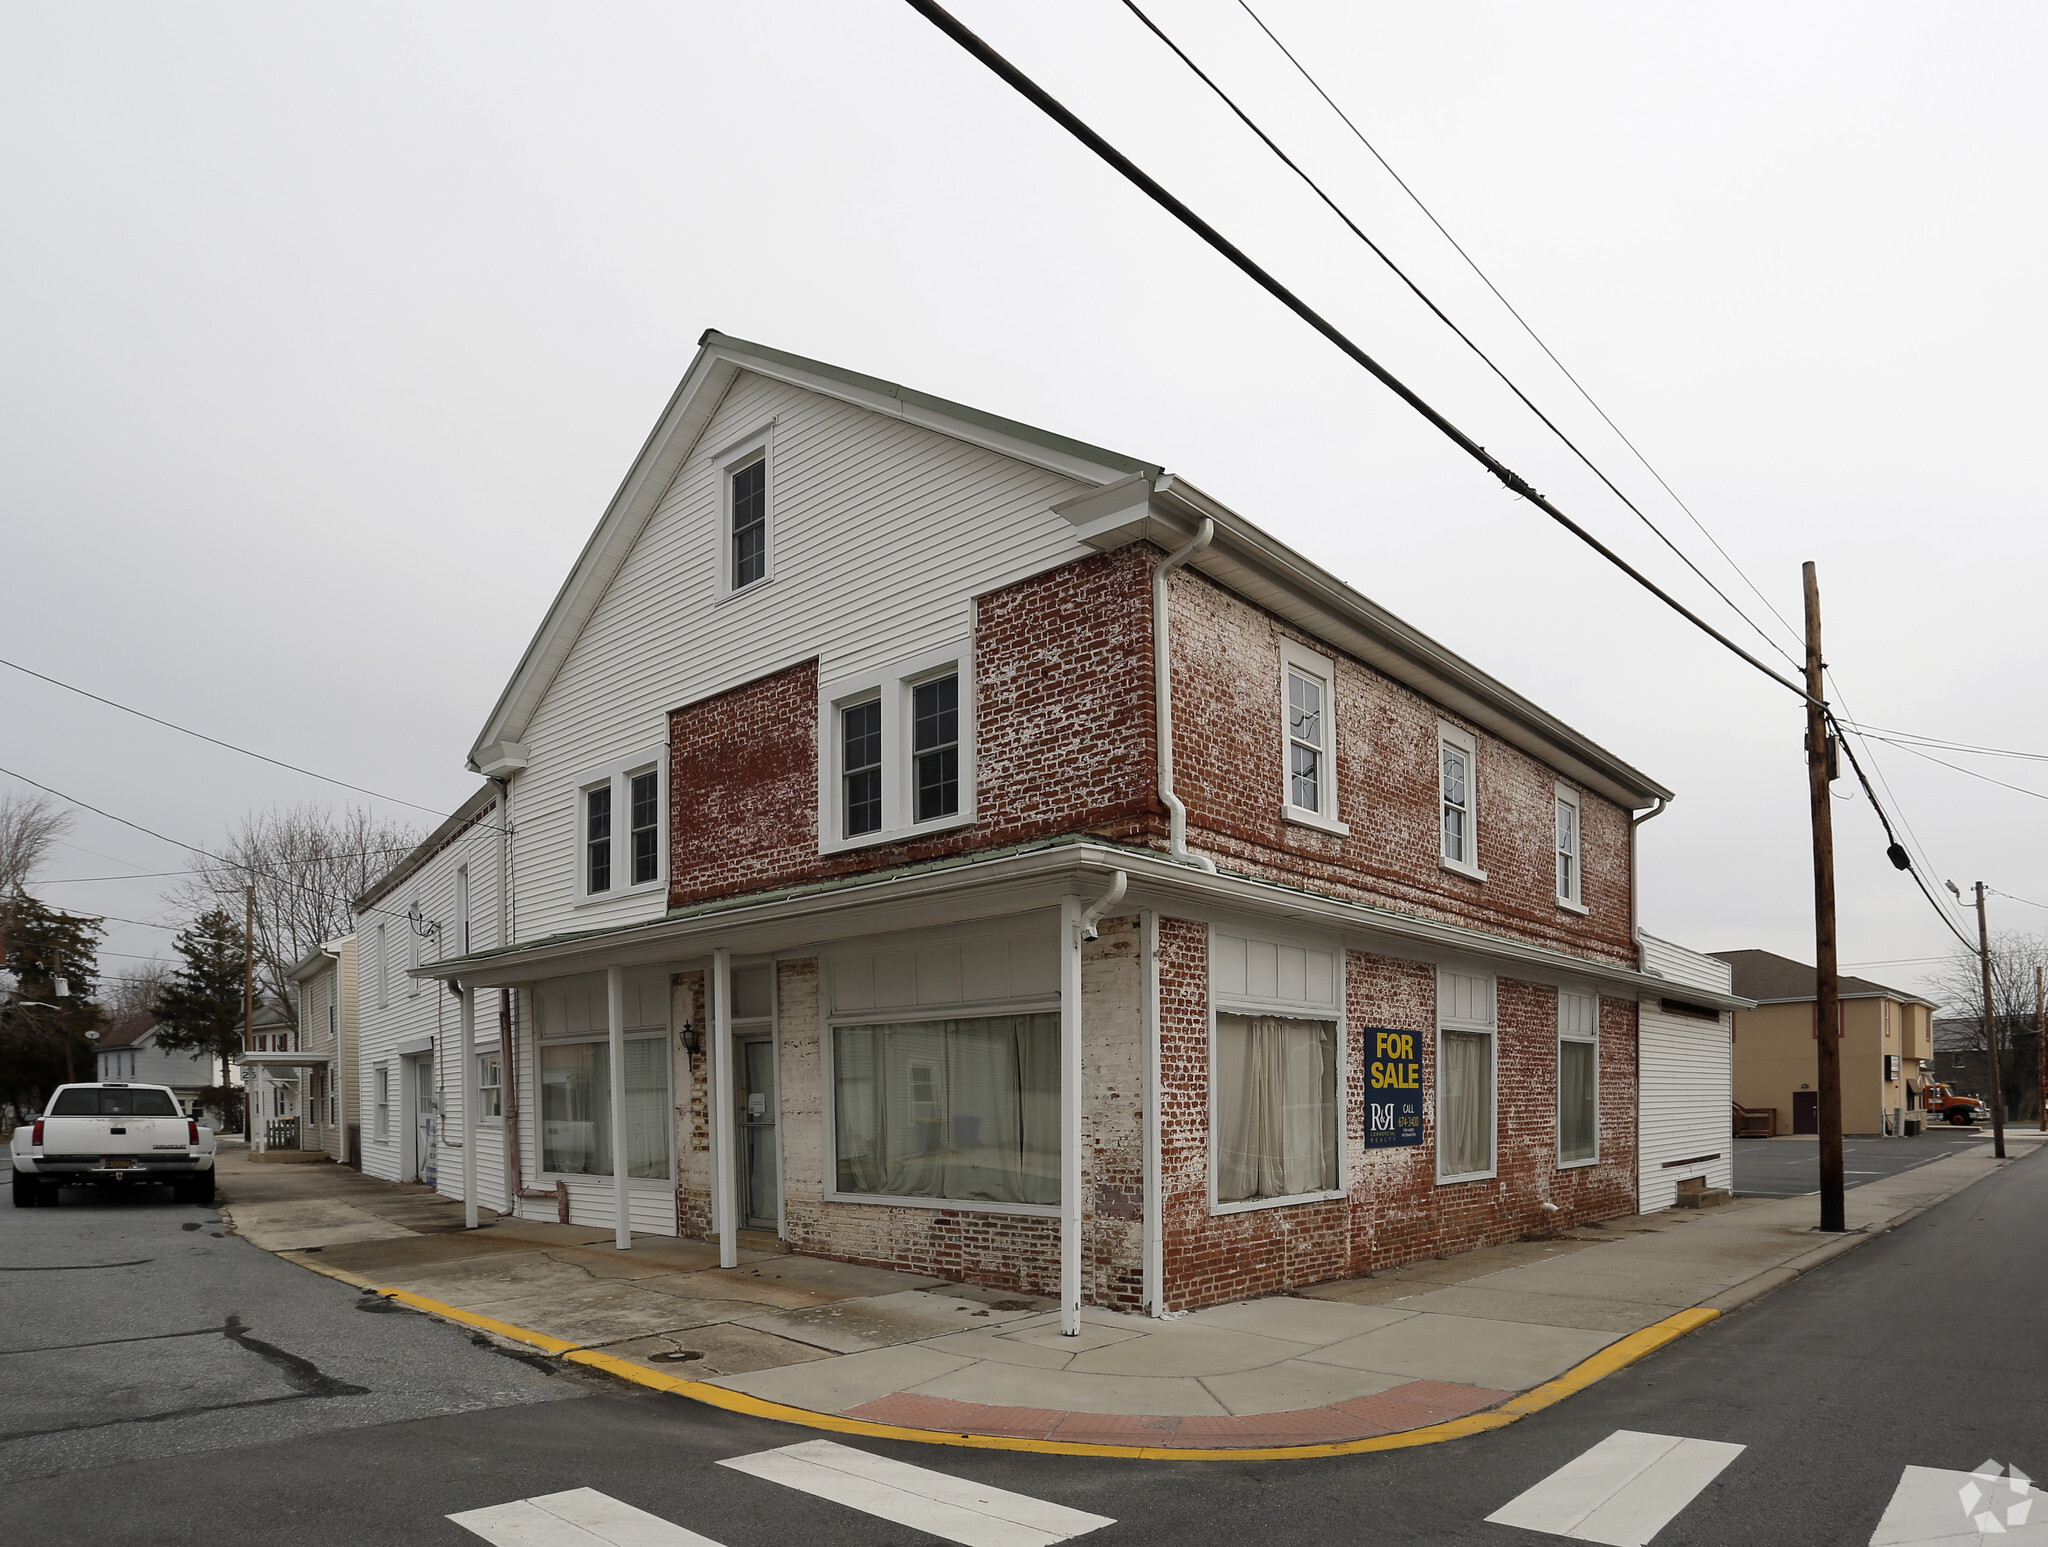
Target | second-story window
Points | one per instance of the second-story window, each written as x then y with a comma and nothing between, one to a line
646,794
1457,756
750,523
597,839
861,766
1308,710
935,733
1304,741
1569,881
462,908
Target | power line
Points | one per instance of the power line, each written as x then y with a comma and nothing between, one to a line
1473,264
186,730
1885,822
232,864
1399,273
1902,738
1970,772
2008,896
1032,92
146,875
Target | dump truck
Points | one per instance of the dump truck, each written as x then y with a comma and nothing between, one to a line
1942,1101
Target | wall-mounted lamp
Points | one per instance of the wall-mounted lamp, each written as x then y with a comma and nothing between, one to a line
691,1041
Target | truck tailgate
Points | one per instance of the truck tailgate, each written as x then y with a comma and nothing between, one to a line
65,1137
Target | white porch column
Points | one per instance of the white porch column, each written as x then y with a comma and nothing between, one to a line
724,1216
615,1004
467,1084
1070,1115
1153,1233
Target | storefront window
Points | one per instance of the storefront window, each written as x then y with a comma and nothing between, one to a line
575,1106
965,1109
1276,1107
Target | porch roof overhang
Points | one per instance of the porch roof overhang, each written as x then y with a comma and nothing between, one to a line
269,1060
1022,879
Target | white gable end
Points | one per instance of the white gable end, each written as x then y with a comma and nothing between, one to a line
883,532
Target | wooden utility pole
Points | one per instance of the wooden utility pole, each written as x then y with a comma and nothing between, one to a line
1991,1030
2040,1050
1827,984
248,1005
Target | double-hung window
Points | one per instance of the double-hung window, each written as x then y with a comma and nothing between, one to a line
490,1084
1570,882
1578,1078
414,935
383,966
750,524
746,514
1457,757
381,1106
1464,1076
1308,709
619,829
462,907
896,752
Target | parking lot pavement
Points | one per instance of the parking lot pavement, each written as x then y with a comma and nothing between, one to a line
1790,1167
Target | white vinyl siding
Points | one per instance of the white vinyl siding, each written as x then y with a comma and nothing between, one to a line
1685,1097
883,533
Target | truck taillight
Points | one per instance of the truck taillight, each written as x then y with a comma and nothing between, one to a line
192,1132
35,1136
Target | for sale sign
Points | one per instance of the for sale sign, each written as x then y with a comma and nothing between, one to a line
1393,1088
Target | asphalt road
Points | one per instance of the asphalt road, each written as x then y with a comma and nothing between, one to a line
1922,1349
1790,1168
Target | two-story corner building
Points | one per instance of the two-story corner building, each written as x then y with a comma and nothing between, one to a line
951,846
1887,1046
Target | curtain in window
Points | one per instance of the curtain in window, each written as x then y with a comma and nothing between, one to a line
575,1108
1464,1108
1575,1092
965,1109
1276,1107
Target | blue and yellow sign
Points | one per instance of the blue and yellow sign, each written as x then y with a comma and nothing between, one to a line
1393,1088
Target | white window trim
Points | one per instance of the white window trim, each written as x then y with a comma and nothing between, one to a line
1491,1027
383,966
618,777
1448,734
480,1052
462,908
1296,659
415,948
1576,902
658,1184
1236,1004
893,687
1563,1037
830,1104
380,1103
759,446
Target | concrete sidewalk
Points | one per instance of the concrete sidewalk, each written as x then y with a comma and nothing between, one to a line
803,1338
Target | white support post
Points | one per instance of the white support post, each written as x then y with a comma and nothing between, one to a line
468,1086
615,1004
1070,1116
723,1180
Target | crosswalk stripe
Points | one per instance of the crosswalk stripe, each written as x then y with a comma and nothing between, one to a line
972,1514
1623,1491
582,1517
1933,1507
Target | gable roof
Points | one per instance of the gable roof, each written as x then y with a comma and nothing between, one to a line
1129,498
668,447
125,1031
1769,978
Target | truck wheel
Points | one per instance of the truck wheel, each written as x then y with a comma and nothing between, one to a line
199,1190
28,1192
1959,1117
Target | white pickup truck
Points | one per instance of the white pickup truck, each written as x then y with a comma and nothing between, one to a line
112,1133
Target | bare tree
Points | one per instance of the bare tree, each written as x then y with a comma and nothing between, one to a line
2014,958
30,826
307,865
134,990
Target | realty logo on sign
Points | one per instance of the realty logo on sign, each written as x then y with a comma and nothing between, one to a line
1393,1088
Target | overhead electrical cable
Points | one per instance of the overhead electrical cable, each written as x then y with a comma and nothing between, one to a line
1465,338
232,864
1910,868
1913,738
146,875
2017,789
1921,852
186,730
2008,896
1473,264
1032,92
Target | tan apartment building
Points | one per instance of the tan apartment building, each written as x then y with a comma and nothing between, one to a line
1887,1047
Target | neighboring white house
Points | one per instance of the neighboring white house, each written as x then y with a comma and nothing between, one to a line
325,1050
273,1074
1685,1128
128,1050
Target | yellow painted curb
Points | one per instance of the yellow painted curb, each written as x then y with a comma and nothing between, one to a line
1615,1356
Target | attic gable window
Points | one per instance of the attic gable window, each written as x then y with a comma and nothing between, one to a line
750,524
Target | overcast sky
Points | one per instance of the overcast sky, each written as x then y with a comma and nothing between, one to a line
330,330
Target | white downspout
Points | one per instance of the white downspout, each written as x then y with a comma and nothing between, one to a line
467,1034
1635,928
723,1180
615,1018
1153,1227
1070,1116
1162,695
